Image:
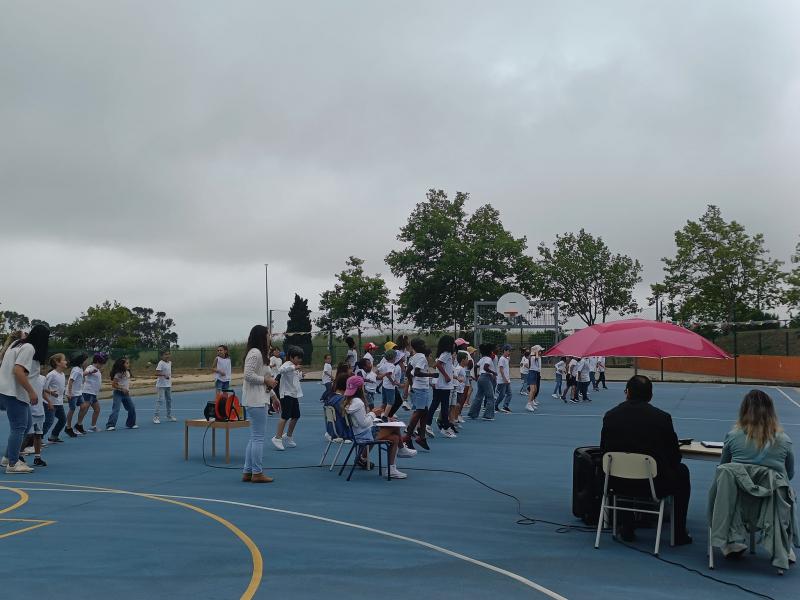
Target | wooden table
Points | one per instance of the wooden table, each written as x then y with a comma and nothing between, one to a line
214,425
697,451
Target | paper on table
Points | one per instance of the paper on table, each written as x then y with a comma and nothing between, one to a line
713,444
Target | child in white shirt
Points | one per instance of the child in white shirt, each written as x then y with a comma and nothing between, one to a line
290,393
327,377
560,368
32,444
222,368
164,387
524,365
92,380
54,387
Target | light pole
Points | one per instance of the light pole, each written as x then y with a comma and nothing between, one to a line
266,296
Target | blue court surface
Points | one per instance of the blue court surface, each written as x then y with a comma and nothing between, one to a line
121,515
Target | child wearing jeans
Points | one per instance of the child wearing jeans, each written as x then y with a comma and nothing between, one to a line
75,390
32,444
120,382
327,377
54,386
164,387
290,394
222,368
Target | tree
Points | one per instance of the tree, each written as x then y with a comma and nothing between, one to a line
13,321
451,260
718,272
587,280
154,329
357,300
300,321
791,296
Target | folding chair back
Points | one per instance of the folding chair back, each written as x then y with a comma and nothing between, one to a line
628,465
330,419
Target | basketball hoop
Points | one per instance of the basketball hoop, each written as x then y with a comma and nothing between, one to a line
510,315
511,305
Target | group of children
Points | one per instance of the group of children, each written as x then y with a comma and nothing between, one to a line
405,378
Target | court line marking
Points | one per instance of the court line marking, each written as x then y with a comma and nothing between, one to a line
788,397
519,578
23,499
255,553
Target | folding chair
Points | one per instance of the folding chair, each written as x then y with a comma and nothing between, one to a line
637,467
330,419
357,447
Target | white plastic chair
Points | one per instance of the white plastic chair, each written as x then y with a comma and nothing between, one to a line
641,467
330,419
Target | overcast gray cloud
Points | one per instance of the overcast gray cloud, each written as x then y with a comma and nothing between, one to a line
160,153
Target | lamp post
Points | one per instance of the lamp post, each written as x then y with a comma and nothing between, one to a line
266,296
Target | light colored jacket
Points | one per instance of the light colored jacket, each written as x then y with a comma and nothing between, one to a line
752,497
254,390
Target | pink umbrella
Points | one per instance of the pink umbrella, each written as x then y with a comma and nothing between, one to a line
636,337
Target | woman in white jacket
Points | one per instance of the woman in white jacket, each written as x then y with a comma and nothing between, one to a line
256,388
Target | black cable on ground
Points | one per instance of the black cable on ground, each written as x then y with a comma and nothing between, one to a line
526,520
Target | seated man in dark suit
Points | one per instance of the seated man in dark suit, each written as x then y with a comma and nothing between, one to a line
637,426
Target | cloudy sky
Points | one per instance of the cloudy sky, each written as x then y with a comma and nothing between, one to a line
159,153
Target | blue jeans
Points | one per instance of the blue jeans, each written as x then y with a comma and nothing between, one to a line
164,395
441,400
254,453
559,379
485,394
503,395
61,420
222,385
592,380
49,417
124,400
524,380
19,421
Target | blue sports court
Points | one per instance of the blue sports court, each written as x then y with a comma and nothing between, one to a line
121,514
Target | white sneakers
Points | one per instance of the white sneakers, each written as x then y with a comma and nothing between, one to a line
156,420
555,396
406,405
278,443
394,473
288,442
530,407
21,468
112,428
429,431
449,433
172,419
4,462
406,452
28,451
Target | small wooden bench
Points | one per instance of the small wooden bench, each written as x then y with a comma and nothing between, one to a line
214,425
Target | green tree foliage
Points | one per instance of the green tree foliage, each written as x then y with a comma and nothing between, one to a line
13,321
450,260
718,272
300,321
112,325
356,301
792,295
585,277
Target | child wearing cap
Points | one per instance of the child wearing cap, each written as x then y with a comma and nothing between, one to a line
534,377
364,429
368,348
504,380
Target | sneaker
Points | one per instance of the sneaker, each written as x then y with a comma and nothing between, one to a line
461,419
423,443
454,431
530,407
405,452
55,440
133,427
448,434
19,468
502,409
70,432
327,437
112,428
288,442
28,451
523,393
156,420
429,431
38,462
4,462
406,405
574,400
79,429
488,418
507,410
556,396
93,429
408,443
395,474
171,419
278,443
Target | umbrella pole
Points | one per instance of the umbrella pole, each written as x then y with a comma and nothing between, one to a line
662,369
635,366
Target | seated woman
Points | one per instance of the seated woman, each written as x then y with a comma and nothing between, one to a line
757,438
363,424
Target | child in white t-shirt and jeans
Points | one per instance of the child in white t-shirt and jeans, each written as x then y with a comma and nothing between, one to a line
290,394
164,387
32,444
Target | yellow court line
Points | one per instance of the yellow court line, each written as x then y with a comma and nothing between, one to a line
23,499
255,553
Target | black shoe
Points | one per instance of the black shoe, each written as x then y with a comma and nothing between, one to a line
55,440
38,462
69,431
80,429
683,539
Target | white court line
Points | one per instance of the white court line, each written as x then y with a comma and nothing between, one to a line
788,397
519,578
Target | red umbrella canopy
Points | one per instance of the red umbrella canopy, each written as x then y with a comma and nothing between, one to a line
636,337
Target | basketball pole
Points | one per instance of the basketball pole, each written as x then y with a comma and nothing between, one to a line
266,296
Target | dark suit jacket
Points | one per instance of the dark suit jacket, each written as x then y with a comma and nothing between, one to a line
636,426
